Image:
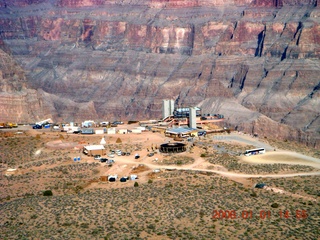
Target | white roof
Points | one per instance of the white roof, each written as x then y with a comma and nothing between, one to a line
94,147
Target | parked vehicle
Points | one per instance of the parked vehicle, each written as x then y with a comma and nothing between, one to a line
136,156
37,126
117,123
111,155
103,160
97,157
119,152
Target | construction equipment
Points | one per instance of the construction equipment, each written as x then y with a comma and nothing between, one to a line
8,125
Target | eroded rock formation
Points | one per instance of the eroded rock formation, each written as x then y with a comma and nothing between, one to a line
255,61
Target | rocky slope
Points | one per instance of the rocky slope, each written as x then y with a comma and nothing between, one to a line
255,61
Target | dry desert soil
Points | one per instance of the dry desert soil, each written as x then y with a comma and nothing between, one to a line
206,192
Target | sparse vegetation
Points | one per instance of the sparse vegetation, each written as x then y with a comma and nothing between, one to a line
47,193
170,205
178,160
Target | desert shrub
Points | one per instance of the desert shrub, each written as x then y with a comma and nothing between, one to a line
274,205
47,193
136,184
253,194
203,155
149,181
119,140
84,225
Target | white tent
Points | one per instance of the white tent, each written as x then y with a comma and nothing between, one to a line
103,141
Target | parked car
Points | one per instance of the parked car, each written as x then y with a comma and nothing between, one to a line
150,154
136,156
103,159
37,126
111,155
97,157
117,123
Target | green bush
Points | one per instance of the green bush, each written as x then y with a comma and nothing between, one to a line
136,184
149,181
47,193
274,205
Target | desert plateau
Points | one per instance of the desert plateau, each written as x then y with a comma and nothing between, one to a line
175,195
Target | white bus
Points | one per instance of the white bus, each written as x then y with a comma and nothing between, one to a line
254,151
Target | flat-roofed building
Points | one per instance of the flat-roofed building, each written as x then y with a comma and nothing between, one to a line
92,150
181,132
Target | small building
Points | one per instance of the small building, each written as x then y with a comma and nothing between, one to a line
135,130
99,131
92,150
87,131
141,128
111,131
123,131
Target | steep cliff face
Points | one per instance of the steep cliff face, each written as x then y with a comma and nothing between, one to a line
255,61
17,102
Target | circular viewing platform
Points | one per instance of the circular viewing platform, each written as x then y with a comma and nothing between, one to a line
172,147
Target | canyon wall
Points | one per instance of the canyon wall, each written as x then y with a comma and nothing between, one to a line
255,61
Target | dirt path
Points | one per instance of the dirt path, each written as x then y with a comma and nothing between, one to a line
192,167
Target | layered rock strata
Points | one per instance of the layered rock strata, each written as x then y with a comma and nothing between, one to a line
255,61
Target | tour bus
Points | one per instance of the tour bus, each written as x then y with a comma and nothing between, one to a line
254,151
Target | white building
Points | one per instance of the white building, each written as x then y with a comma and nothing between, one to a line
167,108
92,150
123,131
99,131
111,130
193,117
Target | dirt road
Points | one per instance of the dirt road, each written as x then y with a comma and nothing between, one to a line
193,167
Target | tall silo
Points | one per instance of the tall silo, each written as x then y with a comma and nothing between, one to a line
167,108
192,117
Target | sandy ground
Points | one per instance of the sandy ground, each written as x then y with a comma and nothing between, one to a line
124,165
284,157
